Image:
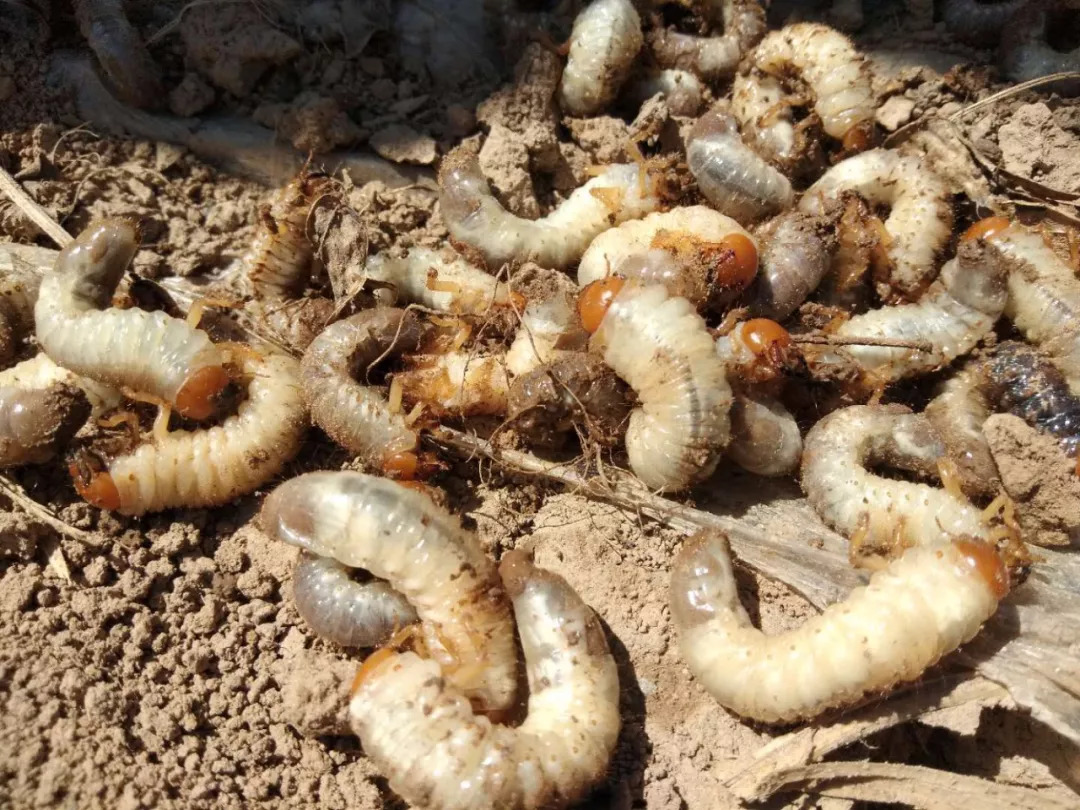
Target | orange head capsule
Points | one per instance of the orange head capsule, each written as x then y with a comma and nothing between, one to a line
195,399
985,228
96,488
985,562
401,466
371,663
738,262
595,299
763,336
858,138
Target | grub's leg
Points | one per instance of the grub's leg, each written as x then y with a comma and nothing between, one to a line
200,305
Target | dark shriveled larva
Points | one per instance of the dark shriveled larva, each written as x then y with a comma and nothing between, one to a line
353,413
436,753
149,352
120,51
342,610
921,607
401,536
35,423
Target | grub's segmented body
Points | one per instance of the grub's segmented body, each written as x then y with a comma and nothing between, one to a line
682,91
216,465
437,281
765,438
549,330
977,22
1025,52
957,413
476,218
456,384
712,57
1044,297
796,250
661,347
278,263
954,314
18,293
333,372
765,117
919,223
837,454
40,372
730,175
347,612
603,45
401,536
424,737
149,352
829,66
921,607
694,252
35,423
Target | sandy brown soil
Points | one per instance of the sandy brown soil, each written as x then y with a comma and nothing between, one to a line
160,663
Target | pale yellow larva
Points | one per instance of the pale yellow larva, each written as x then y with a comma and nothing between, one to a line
603,44
921,607
423,736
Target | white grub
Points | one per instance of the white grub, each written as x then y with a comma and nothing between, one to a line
436,753
344,611
474,217
333,373
1025,52
827,63
712,57
35,423
1044,298
920,218
679,249
278,263
18,293
549,330
604,42
796,252
660,346
978,22
149,352
401,536
41,372
953,315
732,177
878,512
214,465
765,438
683,93
437,280
918,609
958,413
764,115
456,384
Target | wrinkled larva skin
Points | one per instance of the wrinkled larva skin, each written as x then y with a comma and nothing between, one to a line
18,294
41,372
837,454
825,60
921,607
919,223
149,352
603,45
957,414
730,175
437,281
661,347
1044,298
765,438
344,611
333,372
1025,53
456,384
764,113
216,465
401,536
474,217
712,57
796,250
977,22
37,422
954,314
120,51
436,753
625,251
278,263
549,330
682,91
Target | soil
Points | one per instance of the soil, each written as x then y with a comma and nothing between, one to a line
159,662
